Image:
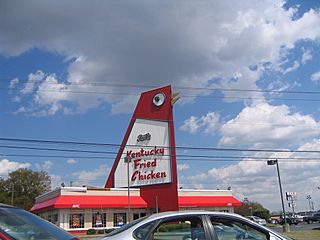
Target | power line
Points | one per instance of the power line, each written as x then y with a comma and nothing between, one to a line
181,158
175,87
182,96
138,146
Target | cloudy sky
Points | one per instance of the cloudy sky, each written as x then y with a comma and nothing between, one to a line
248,74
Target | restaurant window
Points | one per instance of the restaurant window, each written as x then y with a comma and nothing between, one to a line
119,219
76,220
138,215
99,219
55,218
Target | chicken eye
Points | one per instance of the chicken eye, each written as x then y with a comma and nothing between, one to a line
159,99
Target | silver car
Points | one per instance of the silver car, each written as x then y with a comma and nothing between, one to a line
257,220
16,224
194,225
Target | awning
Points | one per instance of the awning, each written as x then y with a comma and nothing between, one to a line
208,201
81,202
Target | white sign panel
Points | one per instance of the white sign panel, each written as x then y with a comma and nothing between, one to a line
148,153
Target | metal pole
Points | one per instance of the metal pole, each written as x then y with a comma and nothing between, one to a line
292,202
127,159
309,198
281,194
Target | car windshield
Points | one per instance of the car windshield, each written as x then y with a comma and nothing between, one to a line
21,224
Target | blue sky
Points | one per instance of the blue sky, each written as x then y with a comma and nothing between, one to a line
248,74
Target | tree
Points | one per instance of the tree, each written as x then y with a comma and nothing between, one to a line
252,208
23,186
3,195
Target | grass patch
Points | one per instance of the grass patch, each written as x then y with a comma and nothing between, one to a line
304,235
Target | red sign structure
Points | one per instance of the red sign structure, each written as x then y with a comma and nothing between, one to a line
147,158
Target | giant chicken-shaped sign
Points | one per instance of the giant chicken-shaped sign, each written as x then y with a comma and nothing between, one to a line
146,158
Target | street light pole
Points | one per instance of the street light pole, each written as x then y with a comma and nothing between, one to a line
275,162
309,198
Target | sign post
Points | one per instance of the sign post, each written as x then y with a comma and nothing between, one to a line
150,145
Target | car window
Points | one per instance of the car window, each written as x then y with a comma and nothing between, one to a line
21,224
182,228
227,229
143,231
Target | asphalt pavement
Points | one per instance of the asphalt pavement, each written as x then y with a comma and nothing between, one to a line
300,227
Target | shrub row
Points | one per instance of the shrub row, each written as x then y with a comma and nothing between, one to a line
93,231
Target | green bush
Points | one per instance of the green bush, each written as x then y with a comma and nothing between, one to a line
91,231
100,231
109,230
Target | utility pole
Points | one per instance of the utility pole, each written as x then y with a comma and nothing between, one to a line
309,200
275,162
128,160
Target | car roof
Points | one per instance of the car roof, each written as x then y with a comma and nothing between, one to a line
189,212
7,206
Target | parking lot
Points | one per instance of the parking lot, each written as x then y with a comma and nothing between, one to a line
300,227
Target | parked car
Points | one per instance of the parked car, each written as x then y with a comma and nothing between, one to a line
290,220
257,220
194,225
313,218
16,224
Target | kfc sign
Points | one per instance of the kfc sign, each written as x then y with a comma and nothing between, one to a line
144,137
148,158
143,168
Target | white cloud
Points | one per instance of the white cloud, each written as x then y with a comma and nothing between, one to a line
315,77
184,43
72,161
7,166
307,55
56,181
190,125
183,167
292,68
254,179
91,176
267,126
208,123
45,166
211,122
13,83
33,80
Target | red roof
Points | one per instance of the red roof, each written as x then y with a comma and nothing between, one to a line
67,201
71,201
208,201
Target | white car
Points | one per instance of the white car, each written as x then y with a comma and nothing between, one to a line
194,225
257,220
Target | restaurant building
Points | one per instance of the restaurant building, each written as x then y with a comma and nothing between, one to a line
77,209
